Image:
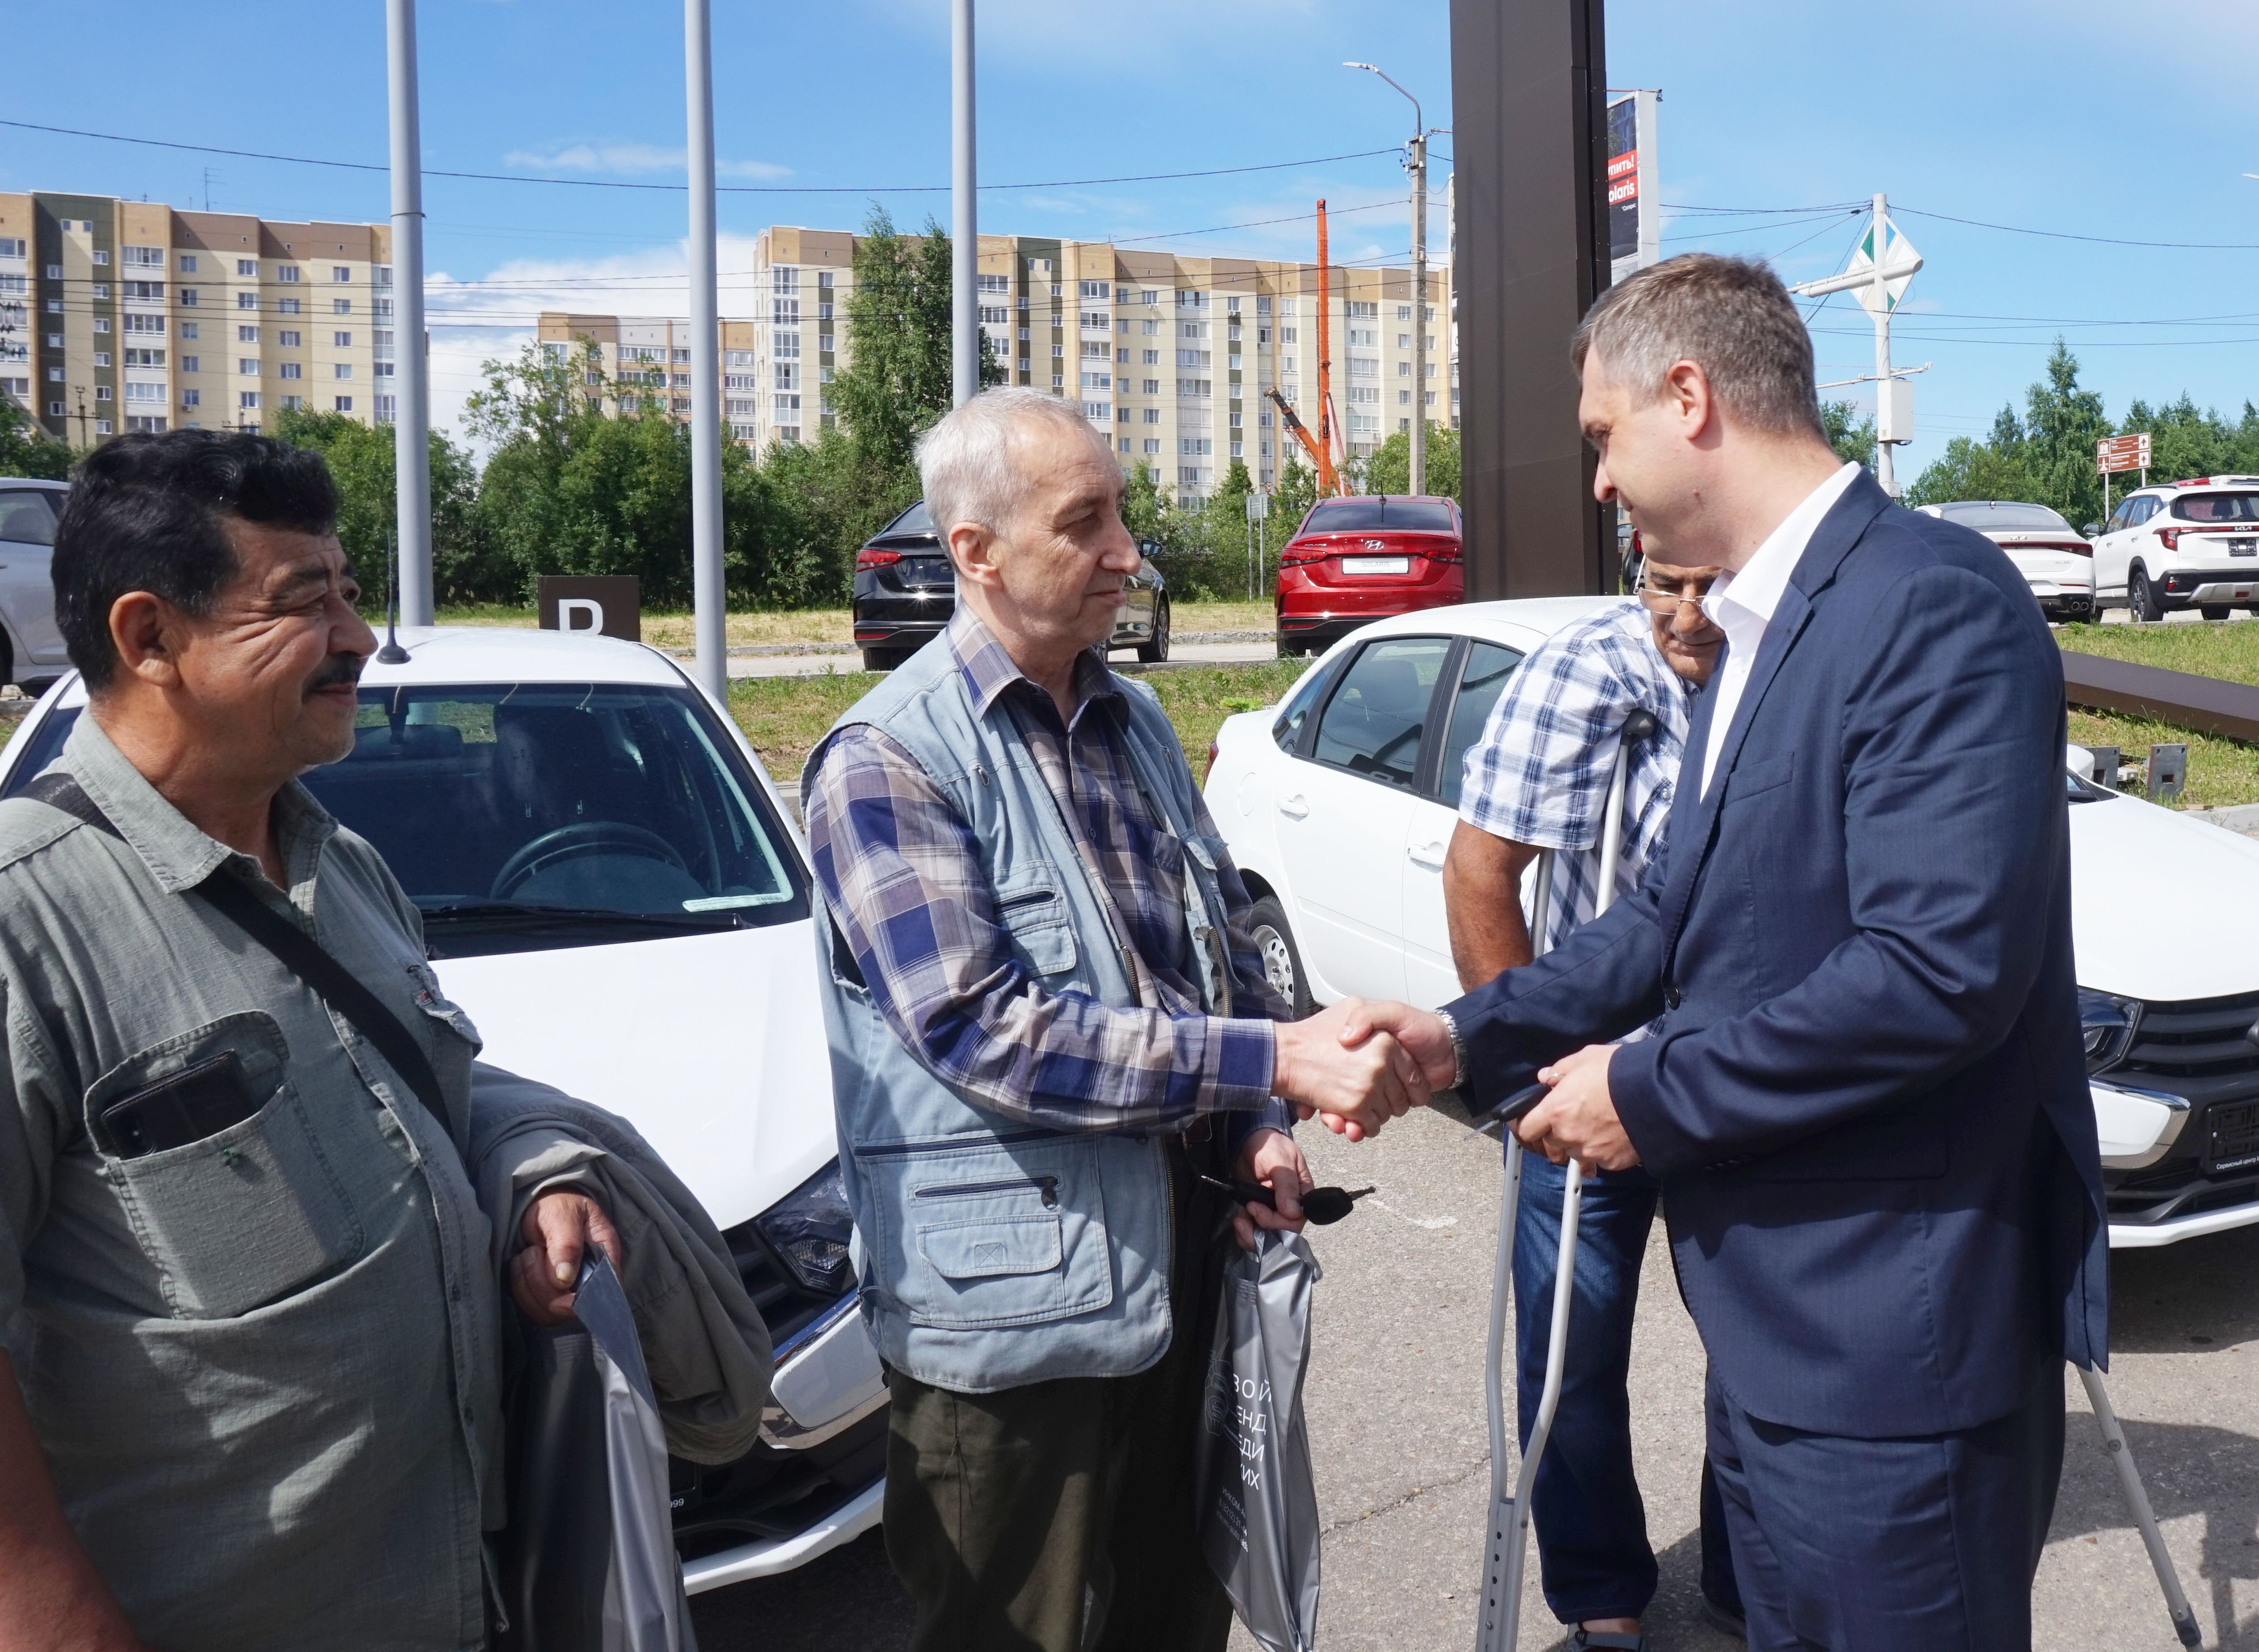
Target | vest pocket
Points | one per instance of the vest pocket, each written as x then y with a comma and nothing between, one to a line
1033,909
984,1233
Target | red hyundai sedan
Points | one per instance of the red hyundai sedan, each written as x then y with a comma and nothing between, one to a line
1361,558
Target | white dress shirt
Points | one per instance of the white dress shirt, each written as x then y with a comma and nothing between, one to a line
1741,604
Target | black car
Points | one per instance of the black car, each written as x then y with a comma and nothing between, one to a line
905,589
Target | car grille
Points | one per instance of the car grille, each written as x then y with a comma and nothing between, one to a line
788,1307
769,1493
2199,1048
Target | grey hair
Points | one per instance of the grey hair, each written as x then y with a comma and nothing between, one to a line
1730,316
965,461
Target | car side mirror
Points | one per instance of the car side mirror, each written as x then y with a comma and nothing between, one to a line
2093,530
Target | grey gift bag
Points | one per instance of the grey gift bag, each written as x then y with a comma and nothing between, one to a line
589,1561
1258,1505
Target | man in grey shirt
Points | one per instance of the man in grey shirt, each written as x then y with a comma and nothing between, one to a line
248,1325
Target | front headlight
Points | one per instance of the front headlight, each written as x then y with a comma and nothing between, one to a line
810,1228
2106,1024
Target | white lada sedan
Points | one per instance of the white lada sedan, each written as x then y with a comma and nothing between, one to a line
1338,805
612,889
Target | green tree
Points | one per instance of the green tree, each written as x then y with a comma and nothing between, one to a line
1971,470
1389,470
897,378
1849,433
27,451
2062,421
360,458
572,489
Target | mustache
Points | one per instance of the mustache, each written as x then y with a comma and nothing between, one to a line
343,670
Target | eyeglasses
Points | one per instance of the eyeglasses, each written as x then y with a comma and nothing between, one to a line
1693,590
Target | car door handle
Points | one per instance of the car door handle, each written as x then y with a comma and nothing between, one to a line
1294,808
1428,855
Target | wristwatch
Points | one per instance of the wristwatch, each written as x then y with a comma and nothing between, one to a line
1458,1049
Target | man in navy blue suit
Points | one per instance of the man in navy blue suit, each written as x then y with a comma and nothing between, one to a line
1867,1101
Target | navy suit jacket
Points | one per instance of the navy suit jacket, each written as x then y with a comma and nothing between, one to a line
1867,1100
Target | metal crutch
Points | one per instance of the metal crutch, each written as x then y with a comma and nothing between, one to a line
2137,1500
1499,1625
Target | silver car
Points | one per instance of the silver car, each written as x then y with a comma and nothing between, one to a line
30,648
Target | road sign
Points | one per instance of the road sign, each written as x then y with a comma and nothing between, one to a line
1259,506
1899,266
609,605
2122,452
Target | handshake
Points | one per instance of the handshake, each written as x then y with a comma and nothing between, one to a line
1361,1063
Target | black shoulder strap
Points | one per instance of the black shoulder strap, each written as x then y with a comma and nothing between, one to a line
297,951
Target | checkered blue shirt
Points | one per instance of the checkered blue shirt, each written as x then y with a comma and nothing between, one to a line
1540,773
904,881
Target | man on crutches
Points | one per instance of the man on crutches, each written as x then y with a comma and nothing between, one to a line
1866,1100
1551,774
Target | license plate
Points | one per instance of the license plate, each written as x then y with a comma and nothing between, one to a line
926,570
2243,547
2234,1136
1376,565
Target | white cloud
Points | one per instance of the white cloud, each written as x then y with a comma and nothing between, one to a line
632,159
475,319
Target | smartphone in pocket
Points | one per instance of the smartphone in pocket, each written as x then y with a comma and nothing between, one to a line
194,1103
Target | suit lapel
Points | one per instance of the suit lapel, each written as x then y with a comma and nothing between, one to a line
1694,822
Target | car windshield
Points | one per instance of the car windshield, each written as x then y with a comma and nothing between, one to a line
2005,518
1363,516
914,520
2217,508
526,816
27,515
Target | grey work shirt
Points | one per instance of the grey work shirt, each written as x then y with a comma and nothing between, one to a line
263,1366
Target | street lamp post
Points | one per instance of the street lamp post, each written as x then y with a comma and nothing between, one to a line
412,396
1416,164
708,594
964,212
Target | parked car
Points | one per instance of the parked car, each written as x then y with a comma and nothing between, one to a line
31,653
1338,806
905,589
2182,544
2055,558
1358,558
614,891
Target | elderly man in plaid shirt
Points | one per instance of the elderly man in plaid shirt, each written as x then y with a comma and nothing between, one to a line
1538,780
1052,1047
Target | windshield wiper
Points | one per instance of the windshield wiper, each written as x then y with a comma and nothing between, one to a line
516,912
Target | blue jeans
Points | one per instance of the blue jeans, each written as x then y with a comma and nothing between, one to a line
1593,1553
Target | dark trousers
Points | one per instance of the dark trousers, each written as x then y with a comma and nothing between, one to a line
1593,1553
1059,1517
1899,1545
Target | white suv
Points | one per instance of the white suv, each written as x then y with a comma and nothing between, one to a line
2182,544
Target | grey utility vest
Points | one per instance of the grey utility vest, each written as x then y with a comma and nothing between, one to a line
997,1254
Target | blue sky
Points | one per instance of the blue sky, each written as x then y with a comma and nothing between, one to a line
2050,115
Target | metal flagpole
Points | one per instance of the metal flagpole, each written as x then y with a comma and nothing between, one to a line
1419,305
965,213
1885,469
708,596
411,400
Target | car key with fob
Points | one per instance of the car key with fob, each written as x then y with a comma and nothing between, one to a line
1321,1205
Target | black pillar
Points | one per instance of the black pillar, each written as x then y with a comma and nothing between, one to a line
1529,165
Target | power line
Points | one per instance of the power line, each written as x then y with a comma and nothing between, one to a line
678,188
2103,240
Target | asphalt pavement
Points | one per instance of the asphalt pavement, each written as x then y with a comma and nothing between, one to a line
1395,1410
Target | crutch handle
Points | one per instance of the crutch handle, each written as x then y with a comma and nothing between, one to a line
1514,1106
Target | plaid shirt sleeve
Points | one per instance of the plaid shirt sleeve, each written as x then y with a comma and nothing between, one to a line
1539,774
902,878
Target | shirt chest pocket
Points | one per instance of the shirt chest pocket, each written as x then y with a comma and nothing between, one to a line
248,1215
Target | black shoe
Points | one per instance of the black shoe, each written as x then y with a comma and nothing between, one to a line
1609,1640
1724,1620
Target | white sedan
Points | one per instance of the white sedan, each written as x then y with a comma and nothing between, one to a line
1338,806
612,889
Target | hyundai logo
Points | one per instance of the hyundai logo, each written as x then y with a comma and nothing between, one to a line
1376,544
2251,1034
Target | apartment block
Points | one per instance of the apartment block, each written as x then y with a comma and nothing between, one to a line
1173,356
645,361
119,316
